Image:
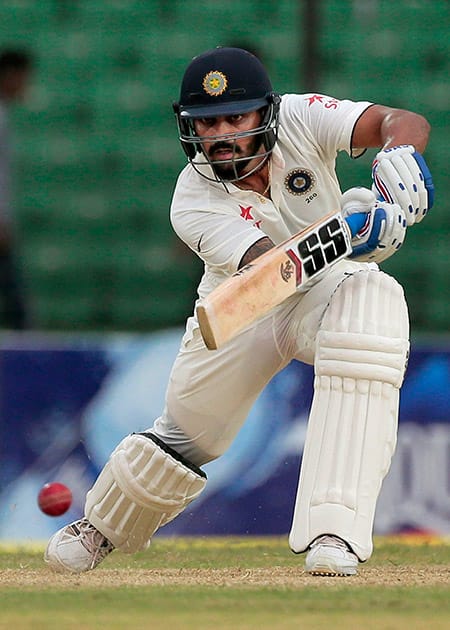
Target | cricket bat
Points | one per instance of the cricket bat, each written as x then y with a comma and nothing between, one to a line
271,278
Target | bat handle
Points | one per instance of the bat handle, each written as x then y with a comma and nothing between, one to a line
355,222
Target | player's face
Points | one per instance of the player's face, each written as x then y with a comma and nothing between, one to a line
230,155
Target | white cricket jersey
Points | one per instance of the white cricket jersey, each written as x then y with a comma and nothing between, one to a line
220,225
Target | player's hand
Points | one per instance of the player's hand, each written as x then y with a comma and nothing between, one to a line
401,175
378,228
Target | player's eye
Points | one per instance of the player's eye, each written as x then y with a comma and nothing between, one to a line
207,122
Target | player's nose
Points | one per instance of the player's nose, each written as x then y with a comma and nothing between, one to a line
222,127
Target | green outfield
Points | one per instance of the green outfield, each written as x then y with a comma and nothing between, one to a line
238,583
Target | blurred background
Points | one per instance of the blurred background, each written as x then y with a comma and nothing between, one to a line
108,285
97,155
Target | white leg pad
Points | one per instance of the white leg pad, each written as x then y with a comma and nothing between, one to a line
361,355
141,488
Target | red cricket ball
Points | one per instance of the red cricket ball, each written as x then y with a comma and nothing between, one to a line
54,499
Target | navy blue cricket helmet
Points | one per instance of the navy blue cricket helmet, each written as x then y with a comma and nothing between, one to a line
225,82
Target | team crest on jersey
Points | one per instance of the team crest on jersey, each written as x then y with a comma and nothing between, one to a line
299,181
215,83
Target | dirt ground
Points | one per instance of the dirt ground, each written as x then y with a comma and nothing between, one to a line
277,577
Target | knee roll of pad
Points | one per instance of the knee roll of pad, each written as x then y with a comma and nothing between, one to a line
364,333
141,488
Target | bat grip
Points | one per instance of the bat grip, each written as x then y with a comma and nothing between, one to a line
355,222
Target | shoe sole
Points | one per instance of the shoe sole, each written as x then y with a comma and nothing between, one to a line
323,566
326,570
330,573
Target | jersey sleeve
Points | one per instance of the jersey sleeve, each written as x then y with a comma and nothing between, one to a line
220,238
325,121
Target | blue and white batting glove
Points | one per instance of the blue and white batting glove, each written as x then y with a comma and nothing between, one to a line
378,228
401,175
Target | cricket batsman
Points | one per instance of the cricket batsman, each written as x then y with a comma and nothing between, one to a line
260,167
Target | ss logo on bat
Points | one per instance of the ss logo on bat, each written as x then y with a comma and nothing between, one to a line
319,249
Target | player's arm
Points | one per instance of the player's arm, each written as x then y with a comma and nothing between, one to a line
387,127
399,171
258,248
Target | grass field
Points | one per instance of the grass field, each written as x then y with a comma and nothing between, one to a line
229,583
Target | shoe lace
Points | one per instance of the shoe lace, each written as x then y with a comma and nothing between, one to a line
93,541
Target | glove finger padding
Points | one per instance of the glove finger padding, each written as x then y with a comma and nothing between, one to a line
382,235
401,176
395,179
356,200
378,228
394,231
427,180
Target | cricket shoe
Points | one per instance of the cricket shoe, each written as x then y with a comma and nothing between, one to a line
77,547
330,555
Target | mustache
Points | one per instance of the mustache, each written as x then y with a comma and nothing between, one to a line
224,145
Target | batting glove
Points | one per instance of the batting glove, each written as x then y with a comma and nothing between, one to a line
378,228
401,175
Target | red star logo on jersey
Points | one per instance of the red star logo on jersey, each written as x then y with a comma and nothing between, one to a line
245,213
314,98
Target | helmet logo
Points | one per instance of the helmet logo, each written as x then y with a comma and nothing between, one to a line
215,83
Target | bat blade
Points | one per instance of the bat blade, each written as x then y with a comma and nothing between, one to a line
267,281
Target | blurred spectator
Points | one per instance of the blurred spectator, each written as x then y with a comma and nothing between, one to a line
15,69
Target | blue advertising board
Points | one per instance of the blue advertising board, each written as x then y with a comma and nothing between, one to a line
67,401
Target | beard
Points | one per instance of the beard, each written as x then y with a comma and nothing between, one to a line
235,167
